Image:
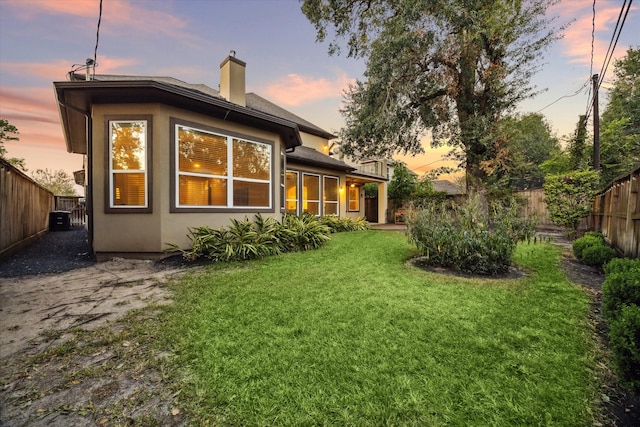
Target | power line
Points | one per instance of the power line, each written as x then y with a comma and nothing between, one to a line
612,46
593,38
95,51
569,95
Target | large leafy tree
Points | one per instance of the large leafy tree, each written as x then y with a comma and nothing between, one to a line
620,126
402,185
522,144
452,67
59,182
9,132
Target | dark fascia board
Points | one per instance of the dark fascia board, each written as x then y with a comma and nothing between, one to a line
75,99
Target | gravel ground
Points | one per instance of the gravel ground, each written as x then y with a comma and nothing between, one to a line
55,252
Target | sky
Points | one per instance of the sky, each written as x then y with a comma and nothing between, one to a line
42,40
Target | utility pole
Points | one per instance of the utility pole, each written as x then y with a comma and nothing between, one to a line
596,125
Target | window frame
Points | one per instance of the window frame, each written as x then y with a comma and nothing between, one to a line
324,201
357,199
109,207
297,199
230,178
303,199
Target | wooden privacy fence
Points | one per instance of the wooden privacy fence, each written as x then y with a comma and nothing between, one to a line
535,207
616,213
74,205
24,209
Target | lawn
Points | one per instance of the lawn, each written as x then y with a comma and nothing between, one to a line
351,334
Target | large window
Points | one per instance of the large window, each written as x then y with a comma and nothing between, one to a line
128,165
292,192
354,198
311,194
216,170
330,195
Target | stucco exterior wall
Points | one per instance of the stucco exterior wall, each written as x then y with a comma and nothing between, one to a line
317,143
150,232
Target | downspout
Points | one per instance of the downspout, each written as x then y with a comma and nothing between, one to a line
89,173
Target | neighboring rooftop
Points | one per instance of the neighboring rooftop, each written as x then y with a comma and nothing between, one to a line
447,187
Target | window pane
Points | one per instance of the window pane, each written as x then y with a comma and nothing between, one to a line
128,189
331,189
330,208
250,194
292,192
311,187
198,191
251,160
312,208
201,152
354,198
128,141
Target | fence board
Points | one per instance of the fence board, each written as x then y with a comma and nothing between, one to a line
24,208
616,213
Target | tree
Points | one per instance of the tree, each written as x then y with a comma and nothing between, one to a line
569,197
620,125
9,132
522,145
58,182
402,185
452,67
578,146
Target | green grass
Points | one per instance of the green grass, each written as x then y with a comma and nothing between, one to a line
351,334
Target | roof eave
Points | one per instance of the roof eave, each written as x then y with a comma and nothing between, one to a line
90,92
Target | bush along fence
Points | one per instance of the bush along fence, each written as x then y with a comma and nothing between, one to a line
621,309
245,240
616,214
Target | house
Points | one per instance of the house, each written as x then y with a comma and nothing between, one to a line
163,155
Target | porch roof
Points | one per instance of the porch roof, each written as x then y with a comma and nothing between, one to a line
310,156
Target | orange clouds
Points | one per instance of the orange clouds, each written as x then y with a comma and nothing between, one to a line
134,17
576,43
295,89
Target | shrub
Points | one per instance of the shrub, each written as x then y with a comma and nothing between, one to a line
625,344
621,265
598,255
305,232
569,197
340,224
620,289
244,240
588,240
461,237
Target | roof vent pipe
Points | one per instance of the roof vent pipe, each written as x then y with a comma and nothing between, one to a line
88,64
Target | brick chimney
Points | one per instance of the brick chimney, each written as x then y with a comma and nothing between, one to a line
232,80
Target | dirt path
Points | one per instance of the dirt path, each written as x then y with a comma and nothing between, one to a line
86,297
65,361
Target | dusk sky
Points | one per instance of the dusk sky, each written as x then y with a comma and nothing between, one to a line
41,40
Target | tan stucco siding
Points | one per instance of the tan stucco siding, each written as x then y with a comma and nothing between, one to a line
151,232
315,142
